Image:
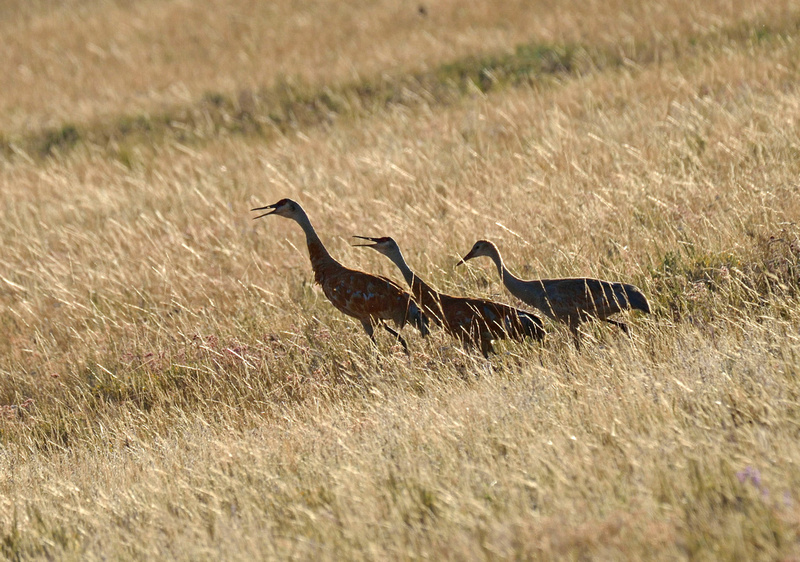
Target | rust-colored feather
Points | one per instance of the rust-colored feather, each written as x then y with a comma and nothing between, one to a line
362,295
369,298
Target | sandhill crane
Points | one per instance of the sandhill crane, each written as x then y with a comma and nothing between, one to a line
473,321
368,298
570,300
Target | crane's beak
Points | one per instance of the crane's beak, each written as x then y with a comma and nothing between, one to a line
375,240
272,207
469,256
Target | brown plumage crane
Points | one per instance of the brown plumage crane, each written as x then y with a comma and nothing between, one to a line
571,300
369,298
472,321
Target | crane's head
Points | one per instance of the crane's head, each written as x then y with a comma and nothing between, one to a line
385,245
480,248
284,208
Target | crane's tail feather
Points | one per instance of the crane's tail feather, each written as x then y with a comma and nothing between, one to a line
636,299
529,324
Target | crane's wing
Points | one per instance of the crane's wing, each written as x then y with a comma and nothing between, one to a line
363,295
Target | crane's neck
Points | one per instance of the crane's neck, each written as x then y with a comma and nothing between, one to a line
420,289
514,284
320,258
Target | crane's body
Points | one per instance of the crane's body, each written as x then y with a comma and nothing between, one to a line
569,300
473,321
369,298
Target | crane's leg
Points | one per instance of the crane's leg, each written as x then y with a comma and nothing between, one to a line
398,336
621,325
574,322
486,346
369,330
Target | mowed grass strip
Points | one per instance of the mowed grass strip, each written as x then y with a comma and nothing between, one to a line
94,61
291,104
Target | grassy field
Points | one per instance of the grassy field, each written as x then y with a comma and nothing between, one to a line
172,384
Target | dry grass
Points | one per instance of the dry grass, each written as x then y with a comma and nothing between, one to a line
174,386
77,61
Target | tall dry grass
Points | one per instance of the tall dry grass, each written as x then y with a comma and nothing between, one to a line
174,386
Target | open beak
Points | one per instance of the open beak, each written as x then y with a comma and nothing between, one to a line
374,240
272,207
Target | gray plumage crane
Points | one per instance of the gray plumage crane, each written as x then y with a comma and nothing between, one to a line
569,300
369,298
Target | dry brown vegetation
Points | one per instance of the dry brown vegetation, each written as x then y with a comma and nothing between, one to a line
172,385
